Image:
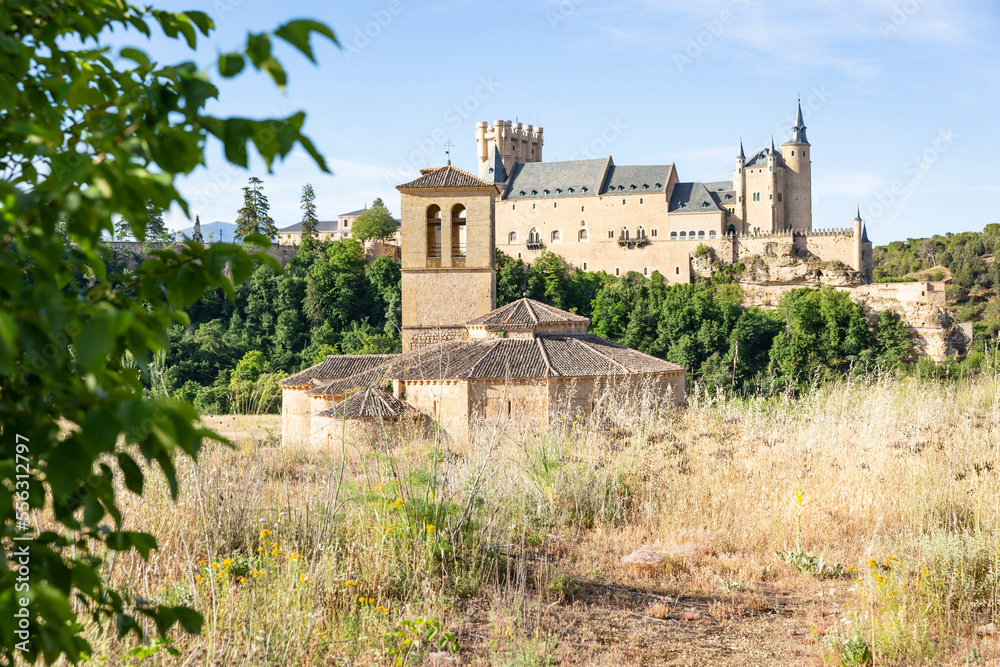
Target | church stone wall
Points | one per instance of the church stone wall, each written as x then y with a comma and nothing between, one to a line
295,428
445,402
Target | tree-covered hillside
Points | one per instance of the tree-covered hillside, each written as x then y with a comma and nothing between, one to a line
965,260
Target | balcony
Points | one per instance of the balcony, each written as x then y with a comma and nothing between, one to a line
534,245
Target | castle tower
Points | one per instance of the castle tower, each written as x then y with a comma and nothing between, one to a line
740,186
774,189
197,230
448,254
797,194
514,142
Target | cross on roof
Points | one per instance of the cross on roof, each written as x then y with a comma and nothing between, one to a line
447,150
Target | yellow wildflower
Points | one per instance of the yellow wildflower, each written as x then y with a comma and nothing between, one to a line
227,563
430,528
371,600
264,533
201,562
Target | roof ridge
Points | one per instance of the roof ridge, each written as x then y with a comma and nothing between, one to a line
608,357
545,357
603,184
531,309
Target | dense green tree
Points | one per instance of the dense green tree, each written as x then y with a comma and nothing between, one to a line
375,223
308,206
511,278
145,226
336,290
89,136
253,218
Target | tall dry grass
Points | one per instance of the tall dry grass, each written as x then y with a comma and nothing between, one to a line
369,554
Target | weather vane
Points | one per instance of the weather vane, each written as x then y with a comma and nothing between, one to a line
447,150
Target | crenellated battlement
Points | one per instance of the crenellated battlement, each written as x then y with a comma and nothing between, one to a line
515,143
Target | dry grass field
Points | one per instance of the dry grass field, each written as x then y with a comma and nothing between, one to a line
856,525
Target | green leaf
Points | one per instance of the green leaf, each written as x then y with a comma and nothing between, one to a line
131,472
138,57
189,619
298,32
202,20
231,64
94,343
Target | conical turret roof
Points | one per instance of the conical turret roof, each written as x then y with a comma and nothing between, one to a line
799,130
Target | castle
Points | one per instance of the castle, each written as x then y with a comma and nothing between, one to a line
464,360
600,216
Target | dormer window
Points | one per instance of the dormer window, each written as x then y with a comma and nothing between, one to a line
631,187
534,192
558,191
523,193
704,204
570,190
729,196
645,186
658,186
584,188
545,192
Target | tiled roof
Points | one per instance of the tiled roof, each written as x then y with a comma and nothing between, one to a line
691,198
336,366
760,159
569,178
373,377
446,177
369,403
525,314
722,192
321,226
628,179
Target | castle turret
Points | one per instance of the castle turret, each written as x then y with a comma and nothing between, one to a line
774,182
740,186
797,195
515,143
858,236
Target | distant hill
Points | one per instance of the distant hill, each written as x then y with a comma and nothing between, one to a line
223,231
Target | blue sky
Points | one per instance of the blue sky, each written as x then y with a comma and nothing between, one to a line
900,96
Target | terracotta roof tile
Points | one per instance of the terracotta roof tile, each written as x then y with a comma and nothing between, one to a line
447,177
371,402
336,366
526,314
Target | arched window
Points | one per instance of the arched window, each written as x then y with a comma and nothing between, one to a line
701,234
673,236
556,236
711,233
640,233
677,270
684,235
458,238
652,232
534,236
581,236
645,270
584,266
624,234
691,234
611,233
433,230
618,271
512,238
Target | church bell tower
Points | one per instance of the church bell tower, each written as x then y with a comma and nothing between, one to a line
448,254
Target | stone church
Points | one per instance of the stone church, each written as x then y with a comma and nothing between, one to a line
600,216
464,360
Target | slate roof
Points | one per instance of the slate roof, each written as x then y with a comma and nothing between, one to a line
495,171
336,366
759,159
799,129
692,198
321,226
642,178
525,314
369,403
568,178
352,214
446,177
718,191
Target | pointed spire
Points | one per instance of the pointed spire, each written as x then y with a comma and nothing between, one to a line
799,130
741,155
773,149
495,171
858,219
864,234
